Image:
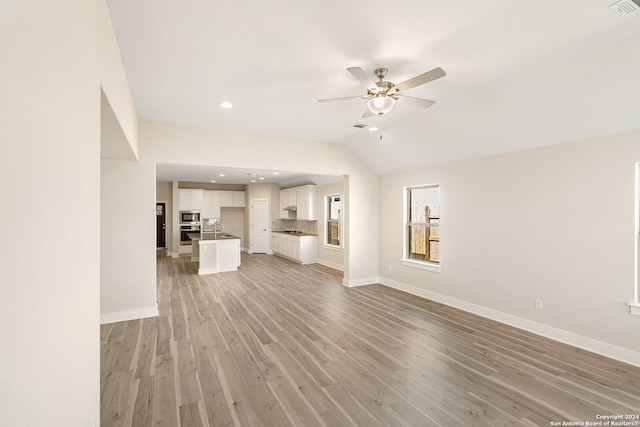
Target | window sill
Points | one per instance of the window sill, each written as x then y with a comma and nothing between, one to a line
421,265
634,308
332,247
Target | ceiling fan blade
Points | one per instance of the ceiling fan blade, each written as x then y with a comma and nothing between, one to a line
367,113
423,78
359,74
346,98
418,102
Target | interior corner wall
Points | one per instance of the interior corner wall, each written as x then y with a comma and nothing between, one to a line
128,237
50,198
555,224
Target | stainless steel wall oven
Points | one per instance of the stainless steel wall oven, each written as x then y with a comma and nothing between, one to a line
184,230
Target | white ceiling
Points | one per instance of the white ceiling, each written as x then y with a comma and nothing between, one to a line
520,74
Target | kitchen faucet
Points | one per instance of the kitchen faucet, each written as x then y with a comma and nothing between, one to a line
215,229
214,225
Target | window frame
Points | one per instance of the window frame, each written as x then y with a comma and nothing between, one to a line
327,209
406,224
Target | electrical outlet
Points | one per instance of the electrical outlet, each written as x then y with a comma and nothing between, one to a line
539,304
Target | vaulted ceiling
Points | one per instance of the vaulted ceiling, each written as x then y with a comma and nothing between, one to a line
520,74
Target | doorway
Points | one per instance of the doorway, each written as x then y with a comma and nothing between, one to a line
161,225
259,219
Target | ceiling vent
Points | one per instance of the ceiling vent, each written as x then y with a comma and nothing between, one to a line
625,7
360,126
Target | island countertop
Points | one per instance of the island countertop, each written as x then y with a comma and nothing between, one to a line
209,235
293,233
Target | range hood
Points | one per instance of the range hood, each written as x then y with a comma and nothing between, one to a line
290,208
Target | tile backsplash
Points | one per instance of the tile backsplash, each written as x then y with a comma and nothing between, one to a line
309,227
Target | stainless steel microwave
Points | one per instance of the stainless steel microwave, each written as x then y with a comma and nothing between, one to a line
189,217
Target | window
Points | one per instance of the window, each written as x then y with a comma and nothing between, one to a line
333,220
422,227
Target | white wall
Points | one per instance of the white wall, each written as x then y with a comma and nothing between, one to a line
50,79
233,220
328,256
555,224
128,240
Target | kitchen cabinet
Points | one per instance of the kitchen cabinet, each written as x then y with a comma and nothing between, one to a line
232,199
300,248
304,198
288,197
190,200
211,204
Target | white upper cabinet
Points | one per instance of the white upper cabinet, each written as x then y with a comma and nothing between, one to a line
304,198
190,200
284,202
211,204
232,199
288,197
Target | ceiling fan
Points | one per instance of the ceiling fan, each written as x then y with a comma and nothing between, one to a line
383,95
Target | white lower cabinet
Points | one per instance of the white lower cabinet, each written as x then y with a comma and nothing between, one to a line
303,249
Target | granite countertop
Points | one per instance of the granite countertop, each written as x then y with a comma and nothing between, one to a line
209,235
297,233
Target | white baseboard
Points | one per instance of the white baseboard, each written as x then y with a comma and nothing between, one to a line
580,341
330,264
360,282
121,316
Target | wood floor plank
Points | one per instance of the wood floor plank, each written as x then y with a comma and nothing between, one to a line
279,343
253,402
143,406
147,345
165,401
303,382
190,415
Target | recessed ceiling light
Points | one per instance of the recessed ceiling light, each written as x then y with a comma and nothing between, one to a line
213,180
252,174
221,174
373,129
253,180
261,178
276,173
226,105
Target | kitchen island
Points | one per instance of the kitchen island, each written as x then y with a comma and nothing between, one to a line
215,252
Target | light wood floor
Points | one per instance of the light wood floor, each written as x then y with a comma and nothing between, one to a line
279,344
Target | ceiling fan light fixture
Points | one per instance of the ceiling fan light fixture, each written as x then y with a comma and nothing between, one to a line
381,104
